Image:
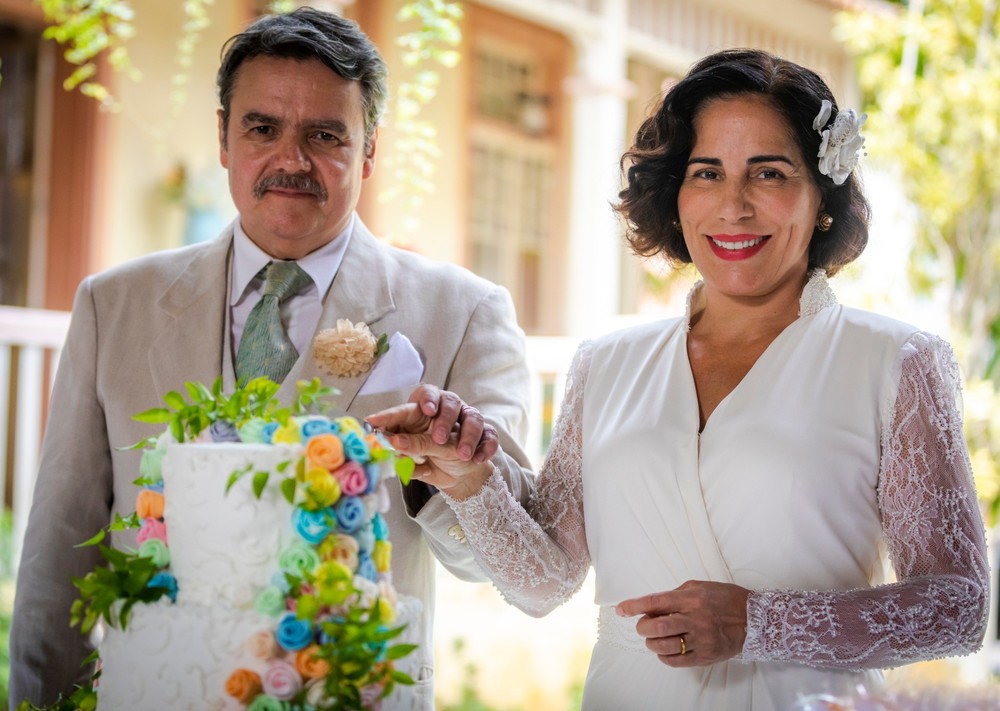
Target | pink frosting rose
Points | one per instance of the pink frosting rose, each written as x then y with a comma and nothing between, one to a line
281,680
352,478
151,528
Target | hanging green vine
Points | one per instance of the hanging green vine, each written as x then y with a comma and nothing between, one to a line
88,29
433,42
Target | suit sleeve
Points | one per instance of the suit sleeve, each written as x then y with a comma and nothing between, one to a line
490,373
72,501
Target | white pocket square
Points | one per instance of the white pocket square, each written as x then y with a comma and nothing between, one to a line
397,368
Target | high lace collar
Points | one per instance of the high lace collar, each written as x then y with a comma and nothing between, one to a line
816,296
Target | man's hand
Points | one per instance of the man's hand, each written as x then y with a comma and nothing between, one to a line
449,440
697,624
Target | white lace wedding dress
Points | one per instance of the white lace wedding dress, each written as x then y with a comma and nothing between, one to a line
844,439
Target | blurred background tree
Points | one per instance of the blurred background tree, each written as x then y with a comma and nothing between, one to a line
932,91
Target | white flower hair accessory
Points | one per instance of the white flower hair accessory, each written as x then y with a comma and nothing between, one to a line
349,349
842,145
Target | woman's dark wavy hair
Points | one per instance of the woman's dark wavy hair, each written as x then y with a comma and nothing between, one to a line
654,168
310,34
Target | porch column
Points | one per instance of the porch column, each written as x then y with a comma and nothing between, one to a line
598,92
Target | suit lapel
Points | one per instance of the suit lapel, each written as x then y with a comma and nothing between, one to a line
360,292
189,345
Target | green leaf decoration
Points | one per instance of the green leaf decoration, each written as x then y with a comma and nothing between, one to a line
92,541
259,482
399,651
155,416
236,476
175,400
404,469
123,524
288,489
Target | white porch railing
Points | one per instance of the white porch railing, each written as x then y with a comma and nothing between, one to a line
30,343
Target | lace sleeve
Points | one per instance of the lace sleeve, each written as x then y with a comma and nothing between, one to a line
934,530
537,556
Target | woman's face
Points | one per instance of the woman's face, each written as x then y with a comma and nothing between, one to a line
748,203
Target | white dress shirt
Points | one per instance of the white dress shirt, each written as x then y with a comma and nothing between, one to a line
299,313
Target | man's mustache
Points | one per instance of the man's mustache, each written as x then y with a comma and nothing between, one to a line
288,181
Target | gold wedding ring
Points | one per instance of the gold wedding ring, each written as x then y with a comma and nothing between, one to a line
684,648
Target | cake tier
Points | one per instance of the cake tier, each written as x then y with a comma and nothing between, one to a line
224,545
177,657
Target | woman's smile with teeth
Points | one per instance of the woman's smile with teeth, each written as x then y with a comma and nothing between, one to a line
740,244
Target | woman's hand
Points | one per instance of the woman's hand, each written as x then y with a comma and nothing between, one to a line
449,440
697,624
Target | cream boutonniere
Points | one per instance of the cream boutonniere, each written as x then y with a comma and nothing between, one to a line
349,349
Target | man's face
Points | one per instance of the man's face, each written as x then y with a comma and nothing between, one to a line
296,154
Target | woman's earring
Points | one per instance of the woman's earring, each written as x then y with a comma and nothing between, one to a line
676,224
824,221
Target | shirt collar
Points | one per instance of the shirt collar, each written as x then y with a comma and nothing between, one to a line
321,264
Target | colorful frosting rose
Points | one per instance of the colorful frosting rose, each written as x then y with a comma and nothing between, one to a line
342,549
163,579
263,645
351,514
309,664
151,528
366,568
313,427
281,680
287,434
149,504
267,432
352,478
150,466
156,550
224,431
374,473
355,447
325,451
265,702
270,601
313,526
382,555
348,424
365,538
298,558
252,431
380,528
292,633
321,488
244,685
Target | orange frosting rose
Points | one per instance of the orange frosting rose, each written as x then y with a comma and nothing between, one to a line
149,504
309,665
244,685
326,451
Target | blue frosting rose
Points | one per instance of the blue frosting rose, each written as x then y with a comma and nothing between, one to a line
313,526
294,634
365,538
356,448
366,567
380,528
374,472
164,580
351,514
316,426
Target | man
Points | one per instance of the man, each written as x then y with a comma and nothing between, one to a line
301,97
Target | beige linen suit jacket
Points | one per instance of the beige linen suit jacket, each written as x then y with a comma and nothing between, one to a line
147,327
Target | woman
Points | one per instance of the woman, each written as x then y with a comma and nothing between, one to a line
735,476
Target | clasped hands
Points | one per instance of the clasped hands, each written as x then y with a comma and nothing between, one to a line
450,441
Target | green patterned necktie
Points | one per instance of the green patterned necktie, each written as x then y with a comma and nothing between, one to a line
265,348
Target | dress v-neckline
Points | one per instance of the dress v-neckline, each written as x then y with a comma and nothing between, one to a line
816,296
